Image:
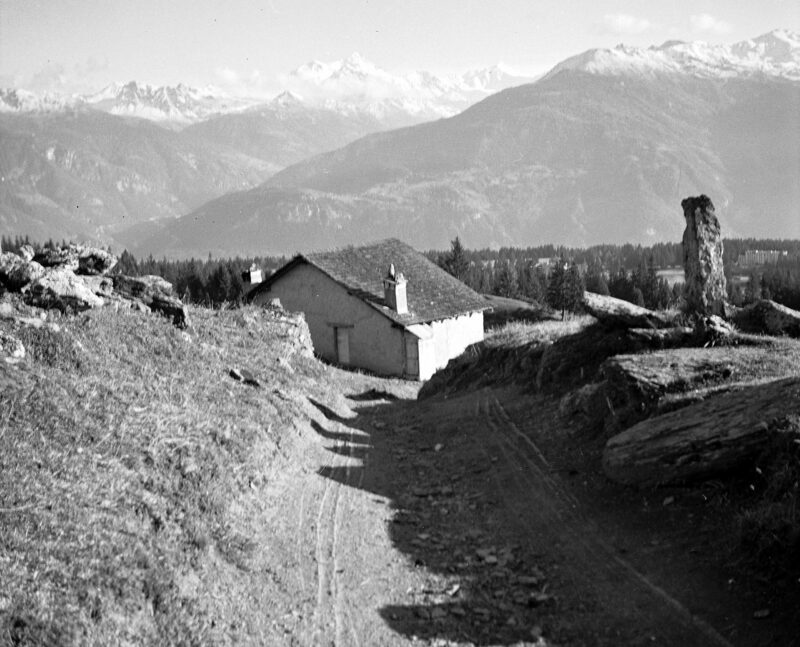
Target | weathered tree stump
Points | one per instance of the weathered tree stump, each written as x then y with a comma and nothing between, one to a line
703,439
705,290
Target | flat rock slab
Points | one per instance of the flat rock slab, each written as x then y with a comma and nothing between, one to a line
703,439
616,312
768,317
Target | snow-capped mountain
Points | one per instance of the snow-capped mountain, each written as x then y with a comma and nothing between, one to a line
601,150
179,103
355,84
18,100
776,53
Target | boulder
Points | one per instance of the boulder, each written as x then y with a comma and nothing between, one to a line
705,288
102,286
155,293
712,329
703,439
66,257
16,272
768,317
619,313
92,260
62,289
27,252
171,307
141,287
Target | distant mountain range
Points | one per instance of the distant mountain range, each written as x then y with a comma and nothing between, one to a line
356,85
602,149
776,54
96,165
352,86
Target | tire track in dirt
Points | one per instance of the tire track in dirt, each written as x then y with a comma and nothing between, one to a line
546,507
343,617
333,624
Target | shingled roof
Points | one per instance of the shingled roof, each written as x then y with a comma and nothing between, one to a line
432,293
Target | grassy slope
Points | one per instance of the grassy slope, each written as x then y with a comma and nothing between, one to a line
133,473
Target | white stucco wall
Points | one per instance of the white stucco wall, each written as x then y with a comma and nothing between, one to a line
374,343
448,339
452,336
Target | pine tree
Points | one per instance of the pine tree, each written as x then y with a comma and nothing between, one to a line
455,262
565,288
506,284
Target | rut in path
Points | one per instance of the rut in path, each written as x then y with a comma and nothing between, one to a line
332,621
546,508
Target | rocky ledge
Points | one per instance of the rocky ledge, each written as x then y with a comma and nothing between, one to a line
77,278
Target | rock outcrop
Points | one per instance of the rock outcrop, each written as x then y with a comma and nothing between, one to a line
75,278
16,272
709,437
768,317
155,293
62,289
705,290
619,313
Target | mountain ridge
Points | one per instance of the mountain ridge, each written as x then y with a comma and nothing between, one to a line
575,158
351,85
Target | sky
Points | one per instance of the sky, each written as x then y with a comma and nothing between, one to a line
244,46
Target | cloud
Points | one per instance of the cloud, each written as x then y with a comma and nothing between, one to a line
86,76
705,22
625,24
251,84
52,76
227,75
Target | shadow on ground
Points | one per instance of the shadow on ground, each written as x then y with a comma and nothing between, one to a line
509,555
483,583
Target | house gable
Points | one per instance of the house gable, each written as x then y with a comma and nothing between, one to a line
374,341
432,294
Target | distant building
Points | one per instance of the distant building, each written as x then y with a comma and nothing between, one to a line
761,257
382,307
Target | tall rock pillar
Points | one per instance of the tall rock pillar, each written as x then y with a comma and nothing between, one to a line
702,258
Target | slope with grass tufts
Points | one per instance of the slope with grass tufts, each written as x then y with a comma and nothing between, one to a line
134,474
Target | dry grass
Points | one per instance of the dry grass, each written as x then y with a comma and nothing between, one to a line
130,471
522,333
768,527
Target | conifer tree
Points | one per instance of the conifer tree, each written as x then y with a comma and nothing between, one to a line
565,288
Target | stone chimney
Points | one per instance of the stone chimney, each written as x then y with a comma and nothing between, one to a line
394,291
705,289
252,276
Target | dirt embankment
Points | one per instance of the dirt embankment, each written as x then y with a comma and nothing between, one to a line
133,473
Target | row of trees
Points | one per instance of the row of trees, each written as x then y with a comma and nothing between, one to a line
779,282
559,283
623,271
209,282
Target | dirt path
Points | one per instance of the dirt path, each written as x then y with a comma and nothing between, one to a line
444,523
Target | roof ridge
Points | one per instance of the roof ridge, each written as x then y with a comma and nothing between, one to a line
432,293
